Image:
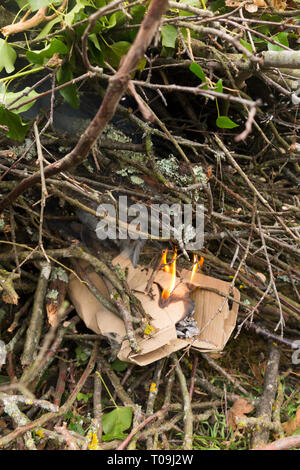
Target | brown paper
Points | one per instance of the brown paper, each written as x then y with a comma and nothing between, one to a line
215,320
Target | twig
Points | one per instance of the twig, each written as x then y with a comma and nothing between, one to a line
281,318
188,417
36,321
154,387
61,382
282,444
235,383
264,409
4,441
195,364
97,405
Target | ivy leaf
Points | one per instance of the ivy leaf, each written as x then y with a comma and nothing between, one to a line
115,52
8,97
217,5
94,38
280,37
37,4
84,396
120,48
168,36
137,13
116,422
47,28
76,427
119,366
7,56
219,86
247,45
225,122
112,21
17,129
70,92
192,3
42,57
80,4
198,71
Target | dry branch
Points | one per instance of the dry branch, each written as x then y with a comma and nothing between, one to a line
264,409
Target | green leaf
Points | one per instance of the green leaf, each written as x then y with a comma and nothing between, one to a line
42,57
115,52
219,86
120,48
80,4
17,129
81,355
70,92
8,97
137,12
7,56
37,4
280,37
271,18
116,422
112,21
119,366
84,397
168,35
217,5
47,28
225,122
192,3
94,38
197,70
247,45
76,427
166,51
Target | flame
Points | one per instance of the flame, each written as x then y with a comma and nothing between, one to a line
164,262
169,269
197,264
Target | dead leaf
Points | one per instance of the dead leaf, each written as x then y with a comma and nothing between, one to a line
257,372
262,277
292,424
10,298
54,61
254,5
238,411
56,293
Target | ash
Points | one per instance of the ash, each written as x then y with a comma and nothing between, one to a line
187,328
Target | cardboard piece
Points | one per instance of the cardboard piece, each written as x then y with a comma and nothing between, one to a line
215,319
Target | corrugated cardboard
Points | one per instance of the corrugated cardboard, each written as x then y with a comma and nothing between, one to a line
215,320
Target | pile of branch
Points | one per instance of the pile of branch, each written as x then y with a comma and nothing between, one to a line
248,181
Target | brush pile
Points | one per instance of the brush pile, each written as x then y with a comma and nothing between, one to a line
207,116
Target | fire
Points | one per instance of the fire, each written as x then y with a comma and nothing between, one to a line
164,261
197,264
169,269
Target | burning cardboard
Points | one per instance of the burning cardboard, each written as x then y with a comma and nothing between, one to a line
174,304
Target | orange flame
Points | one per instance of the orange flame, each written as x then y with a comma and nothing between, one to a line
197,264
164,261
169,269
